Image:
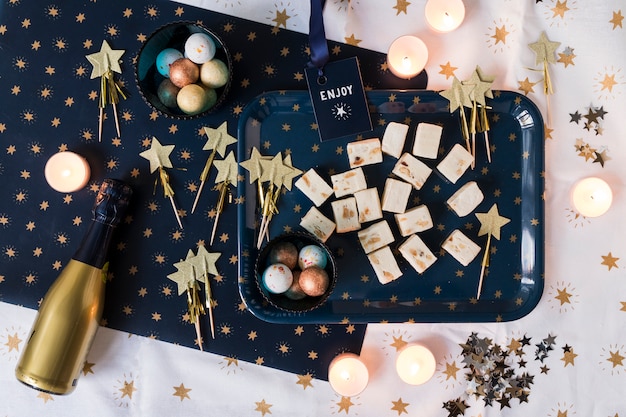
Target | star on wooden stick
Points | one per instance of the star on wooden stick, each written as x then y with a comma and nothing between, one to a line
159,157
226,176
545,53
204,264
105,63
186,278
459,96
479,121
218,140
490,225
293,172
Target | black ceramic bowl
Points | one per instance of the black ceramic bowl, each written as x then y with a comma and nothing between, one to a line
281,301
148,78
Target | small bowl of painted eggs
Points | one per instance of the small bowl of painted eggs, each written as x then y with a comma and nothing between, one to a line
296,272
183,70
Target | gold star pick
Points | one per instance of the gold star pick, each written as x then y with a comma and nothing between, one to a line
105,60
293,172
184,274
218,140
459,96
104,64
491,222
159,157
545,50
490,225
479,120
204,263
226,176
227,169
253,165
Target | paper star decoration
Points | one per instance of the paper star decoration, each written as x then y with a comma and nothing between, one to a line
545,50
159,158
226,176
158,155
204,264
491,222
253,165
490,225
459,96
218,140
105,60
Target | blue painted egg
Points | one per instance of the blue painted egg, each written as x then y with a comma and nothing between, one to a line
165,58
312,255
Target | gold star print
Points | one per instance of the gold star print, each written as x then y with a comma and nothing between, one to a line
158,155
401,6
398,343
351,40
610,261
451,370
447,70
617,19
13,342
608,82
500,35
263,407
526,86
344,404
568,356
560,9
106,59
305,380
400,406
616,359
563,296
88,368
128,389
181,391
281,18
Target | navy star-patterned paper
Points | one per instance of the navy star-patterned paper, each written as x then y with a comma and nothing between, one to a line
49,103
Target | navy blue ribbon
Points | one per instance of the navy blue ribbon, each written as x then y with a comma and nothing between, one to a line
317,36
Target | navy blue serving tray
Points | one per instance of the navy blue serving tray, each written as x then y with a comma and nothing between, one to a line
283,121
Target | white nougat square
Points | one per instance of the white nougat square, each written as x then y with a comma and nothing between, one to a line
456,162
368,204
348,182
394,138
385,265
462,248
427,139
396,195
317,224
376,236
416,219
466,199
314,187
364,152
412,170
346,215
417,254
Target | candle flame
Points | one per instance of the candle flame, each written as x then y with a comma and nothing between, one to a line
415,368
406,62
448,20
66,173
345,375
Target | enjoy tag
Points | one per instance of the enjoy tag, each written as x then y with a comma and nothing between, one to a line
339,100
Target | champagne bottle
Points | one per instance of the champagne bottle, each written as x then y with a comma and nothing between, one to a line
71,310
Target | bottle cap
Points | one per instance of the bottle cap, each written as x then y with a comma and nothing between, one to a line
111,202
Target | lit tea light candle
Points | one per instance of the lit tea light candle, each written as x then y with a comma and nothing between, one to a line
444,15
348,375
407,56
67,172
592,197
415,364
